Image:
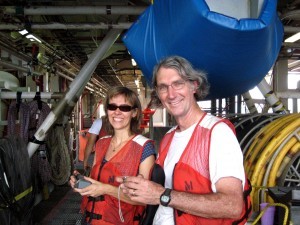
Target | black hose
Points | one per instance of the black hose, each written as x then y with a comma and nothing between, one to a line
16,183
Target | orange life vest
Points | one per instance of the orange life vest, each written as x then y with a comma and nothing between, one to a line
191,173
105,209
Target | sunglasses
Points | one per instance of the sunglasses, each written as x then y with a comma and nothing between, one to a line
123,108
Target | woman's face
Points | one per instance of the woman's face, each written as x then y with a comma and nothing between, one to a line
119,119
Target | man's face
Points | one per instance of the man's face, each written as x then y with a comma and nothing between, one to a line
176,94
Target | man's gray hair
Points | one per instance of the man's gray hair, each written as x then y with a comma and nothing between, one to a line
187,73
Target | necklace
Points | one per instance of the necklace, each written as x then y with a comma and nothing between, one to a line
115,147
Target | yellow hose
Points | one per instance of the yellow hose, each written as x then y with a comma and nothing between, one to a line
290,149
272,146
267,153
292,153
258,140
265,144
262,138
270,178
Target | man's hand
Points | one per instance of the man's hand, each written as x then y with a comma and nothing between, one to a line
141,190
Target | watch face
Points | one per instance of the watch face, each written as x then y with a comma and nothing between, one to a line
165,198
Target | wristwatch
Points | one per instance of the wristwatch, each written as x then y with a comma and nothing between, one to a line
165,198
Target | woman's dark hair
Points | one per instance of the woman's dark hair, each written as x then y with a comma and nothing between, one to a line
132,98
186,71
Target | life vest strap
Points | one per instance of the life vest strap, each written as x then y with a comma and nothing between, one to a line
96,216
96,199
137,218
93,216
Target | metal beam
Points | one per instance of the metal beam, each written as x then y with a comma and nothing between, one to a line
19,68
74,10
66,26
30,95
293,14
289,94
290,29
76,87
90,86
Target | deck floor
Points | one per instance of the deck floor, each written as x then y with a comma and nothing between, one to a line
62,208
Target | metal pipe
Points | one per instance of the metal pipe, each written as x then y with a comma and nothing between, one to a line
71,79
80,26
249,102
30,95
20,68
12,50
8,81
75,10
26,70
295,14
88,86
93,80
290,29
67,26
76,88
115,73
271,98
100,84
289,94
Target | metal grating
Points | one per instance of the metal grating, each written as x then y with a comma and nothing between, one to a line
66,212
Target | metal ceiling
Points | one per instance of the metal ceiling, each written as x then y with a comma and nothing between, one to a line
289,13
71,30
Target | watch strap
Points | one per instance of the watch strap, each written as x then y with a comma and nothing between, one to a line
166,193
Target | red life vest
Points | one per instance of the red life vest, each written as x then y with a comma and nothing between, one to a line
105,209
191,173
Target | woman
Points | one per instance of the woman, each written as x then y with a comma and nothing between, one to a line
124,152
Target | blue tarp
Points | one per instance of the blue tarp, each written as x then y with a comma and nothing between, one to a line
236,54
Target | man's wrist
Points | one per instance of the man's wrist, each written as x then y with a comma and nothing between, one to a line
165,197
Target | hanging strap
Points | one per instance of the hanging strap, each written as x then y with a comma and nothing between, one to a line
36,141
37,97
19,100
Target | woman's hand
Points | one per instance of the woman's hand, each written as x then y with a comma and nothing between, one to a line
95,189
73,179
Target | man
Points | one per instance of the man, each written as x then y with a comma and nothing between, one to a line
95,131
201,157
